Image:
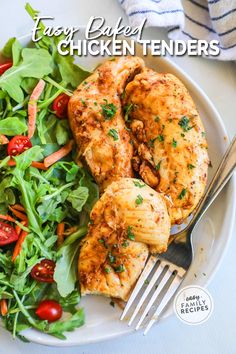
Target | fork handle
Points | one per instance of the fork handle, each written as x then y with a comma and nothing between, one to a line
221,177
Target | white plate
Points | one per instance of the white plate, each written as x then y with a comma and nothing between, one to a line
210,237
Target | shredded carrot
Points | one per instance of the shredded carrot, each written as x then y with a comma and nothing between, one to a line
18,214
70,231
3,307
36,164
56,156
18,207
39,165
18,245
32,107
3,139
60,233
7,218
18,229
11,162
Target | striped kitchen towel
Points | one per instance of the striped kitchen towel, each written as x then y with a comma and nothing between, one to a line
189,19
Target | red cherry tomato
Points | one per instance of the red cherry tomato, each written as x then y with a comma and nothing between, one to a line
44,271
49,310
60,105
4,67
18,144
7,234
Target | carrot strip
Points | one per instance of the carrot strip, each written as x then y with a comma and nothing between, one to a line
11,163
56,156
3,307
36,164
18,214
18,207
32,107
18,245
39,165
3,139
18,228
60,233
7,218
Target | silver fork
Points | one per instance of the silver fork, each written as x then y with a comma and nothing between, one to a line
164,273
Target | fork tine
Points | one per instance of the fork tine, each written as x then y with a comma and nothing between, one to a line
164,280
149,266
164,302
155,277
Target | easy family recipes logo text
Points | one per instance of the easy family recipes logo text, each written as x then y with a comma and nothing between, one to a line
101,39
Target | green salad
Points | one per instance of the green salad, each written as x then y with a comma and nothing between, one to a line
45,197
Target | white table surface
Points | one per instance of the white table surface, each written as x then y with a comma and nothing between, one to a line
218,80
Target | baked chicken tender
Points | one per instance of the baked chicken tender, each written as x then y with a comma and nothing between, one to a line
128,218
170,148
95,116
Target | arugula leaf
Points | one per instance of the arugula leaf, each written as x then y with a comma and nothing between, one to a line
12,126
78,197
24,160
62,132
70,73
35,63
65,273
69,325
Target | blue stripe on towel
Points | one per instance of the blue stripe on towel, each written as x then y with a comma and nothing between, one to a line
224,15
199,24
155,12
221,47
199,5
213,1
227,32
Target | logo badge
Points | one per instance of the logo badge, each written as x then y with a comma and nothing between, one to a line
193,305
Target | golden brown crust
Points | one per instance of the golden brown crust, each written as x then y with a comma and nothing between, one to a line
128,218
102,140
171,146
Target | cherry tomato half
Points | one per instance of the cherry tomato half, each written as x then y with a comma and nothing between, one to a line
7,234
18,144
60,105
44,271
49,310
5,66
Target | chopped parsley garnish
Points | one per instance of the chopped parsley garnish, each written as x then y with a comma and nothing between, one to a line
83,103
157,167
184,123
174,143
127,109
125,243
112,303
183,135
107,270
130,234
139,184
203,134
170,120
114,134
120,268
102,241
157,119
139,199
108,110
146,282
190,166
151,142
112,258
182,194
95,103
160,138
